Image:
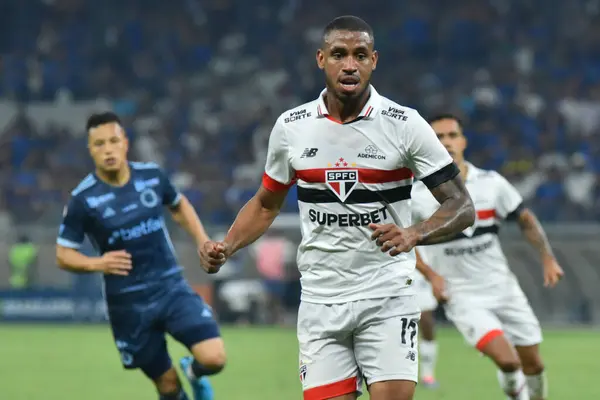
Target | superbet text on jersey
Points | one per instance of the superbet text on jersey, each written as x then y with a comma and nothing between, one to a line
348,176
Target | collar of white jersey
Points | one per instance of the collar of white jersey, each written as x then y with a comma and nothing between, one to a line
471,171
368,111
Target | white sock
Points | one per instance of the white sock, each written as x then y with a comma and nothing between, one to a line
428,357
514,385
538,386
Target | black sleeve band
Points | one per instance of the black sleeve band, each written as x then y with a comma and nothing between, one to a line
443,175
514,215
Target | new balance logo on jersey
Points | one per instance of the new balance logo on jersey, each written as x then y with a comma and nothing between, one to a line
342,182
371,152
412,356
108,213
309,152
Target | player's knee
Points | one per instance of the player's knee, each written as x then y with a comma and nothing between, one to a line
531,359
533,367
214,360
210,354
508,363
392,390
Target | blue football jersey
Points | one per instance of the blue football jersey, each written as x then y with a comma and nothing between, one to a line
126,218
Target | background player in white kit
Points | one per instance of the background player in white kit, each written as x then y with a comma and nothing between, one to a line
352,154
426,292
485,301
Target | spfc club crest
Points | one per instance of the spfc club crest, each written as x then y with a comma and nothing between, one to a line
342,181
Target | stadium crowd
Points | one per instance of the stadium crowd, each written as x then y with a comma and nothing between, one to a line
200,83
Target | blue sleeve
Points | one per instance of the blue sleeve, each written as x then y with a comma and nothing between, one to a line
170,195
72,230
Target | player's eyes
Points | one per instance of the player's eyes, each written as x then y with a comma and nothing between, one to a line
361,57
337,56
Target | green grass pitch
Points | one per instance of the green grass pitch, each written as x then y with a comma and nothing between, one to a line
77,362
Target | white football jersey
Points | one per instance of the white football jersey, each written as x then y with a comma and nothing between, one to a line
348,176
473,261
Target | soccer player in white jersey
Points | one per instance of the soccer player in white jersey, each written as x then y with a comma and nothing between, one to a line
353,153
485,301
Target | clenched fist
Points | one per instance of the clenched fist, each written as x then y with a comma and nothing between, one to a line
213,255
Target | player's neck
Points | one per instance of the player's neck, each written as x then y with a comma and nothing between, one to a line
464,169
115,178
345,111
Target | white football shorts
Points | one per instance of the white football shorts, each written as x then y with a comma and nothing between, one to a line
482,317
340,344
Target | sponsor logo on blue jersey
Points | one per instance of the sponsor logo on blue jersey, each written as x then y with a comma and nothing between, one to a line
140,185
147,227
94,202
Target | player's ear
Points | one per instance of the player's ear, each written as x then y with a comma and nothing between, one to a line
321,59
375,58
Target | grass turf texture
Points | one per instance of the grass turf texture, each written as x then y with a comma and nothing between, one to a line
80,362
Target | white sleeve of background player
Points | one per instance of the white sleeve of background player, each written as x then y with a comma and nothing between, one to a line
279,174
509,199
417,204
427,157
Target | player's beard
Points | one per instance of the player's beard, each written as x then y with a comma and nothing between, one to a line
346,98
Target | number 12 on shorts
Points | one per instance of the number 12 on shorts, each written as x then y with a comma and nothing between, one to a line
409,325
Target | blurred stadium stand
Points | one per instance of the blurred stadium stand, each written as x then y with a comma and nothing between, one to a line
200,83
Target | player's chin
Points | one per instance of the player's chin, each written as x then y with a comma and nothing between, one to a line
111,165
349,89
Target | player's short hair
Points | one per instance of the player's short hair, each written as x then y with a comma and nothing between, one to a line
95,120
348,23
439,117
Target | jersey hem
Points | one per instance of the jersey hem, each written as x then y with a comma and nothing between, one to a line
394,377
401,292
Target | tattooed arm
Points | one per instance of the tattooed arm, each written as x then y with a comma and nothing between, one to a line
455,214
432,165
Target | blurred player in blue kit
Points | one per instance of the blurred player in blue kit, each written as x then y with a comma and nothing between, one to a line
120,208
